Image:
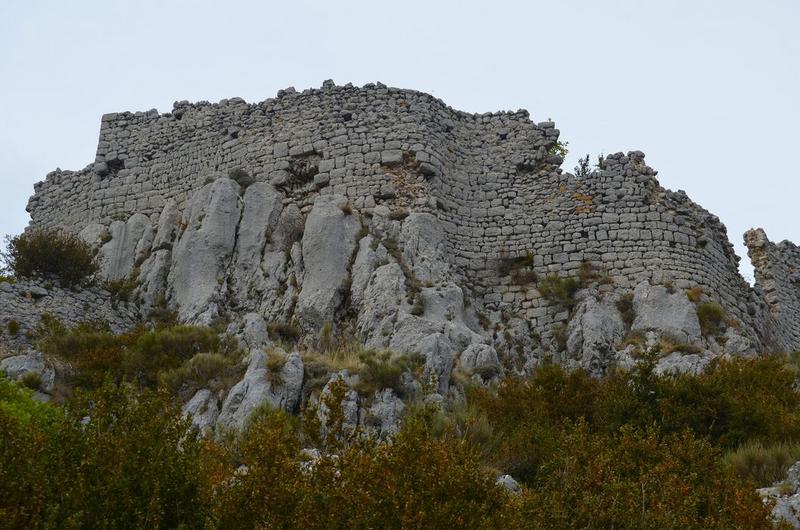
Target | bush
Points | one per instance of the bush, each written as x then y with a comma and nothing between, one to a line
638,479
138,355
711,316
284,331
625,308
32,380
49,253
382,370
133,465
761,464
13,327
558,290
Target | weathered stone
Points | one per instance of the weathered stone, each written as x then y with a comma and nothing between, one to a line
328,244
669,313
201,255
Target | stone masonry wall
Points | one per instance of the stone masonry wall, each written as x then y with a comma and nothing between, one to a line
777,269
493,180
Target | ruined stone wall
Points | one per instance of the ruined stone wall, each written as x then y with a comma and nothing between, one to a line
777,271
492,179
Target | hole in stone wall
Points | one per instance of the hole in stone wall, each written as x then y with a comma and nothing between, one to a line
115,165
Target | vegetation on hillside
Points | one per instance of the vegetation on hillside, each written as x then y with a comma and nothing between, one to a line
631,450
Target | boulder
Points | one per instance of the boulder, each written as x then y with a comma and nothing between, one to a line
480,359
94,234
385,413
203,411
786,496
367,260
16,366
257,387
262,206
329,240
593,332
383,296
167,226
671,314
201,255
683,363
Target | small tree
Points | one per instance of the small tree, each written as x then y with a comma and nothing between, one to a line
49,253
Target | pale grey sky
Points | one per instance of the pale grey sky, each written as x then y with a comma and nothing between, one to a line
707,89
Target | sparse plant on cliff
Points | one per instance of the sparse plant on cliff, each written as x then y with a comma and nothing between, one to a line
49,253
559,149
558,290
711,316
583,169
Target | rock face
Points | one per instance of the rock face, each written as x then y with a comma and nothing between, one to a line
669,313
593,333
328,244
259,387
201,254
126,248
786,496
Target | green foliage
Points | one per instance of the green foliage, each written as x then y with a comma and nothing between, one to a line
638,479
763,464
122,290
560,149
631,450
129,465
209,370
625,308
49,253
139,355
418,481
711,316
558,290
13,327
32,380
383,370
287,332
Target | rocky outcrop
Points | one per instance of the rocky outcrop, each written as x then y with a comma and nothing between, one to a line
329,241
129,245
668,312
786,496
203,410
279,389
593,333
197,277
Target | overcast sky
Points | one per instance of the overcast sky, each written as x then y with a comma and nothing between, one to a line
709,90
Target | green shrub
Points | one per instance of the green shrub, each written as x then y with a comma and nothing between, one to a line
558,290
32,380
138,355
122,289
638,479
711,316
625,308
384,370
49,253
283,331
762,464
209,370
13,327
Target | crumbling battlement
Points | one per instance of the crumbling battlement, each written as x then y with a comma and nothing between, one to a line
493,180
